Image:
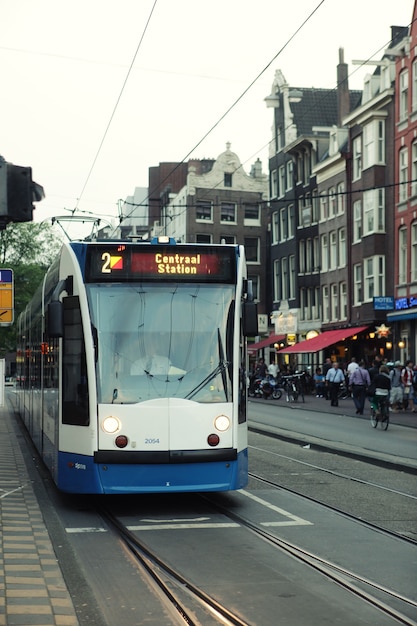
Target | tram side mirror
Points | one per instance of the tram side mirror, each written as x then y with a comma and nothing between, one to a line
55,319
250,319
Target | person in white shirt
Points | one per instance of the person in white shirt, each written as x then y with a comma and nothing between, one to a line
352,366
334,378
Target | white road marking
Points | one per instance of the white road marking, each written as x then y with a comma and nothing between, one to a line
186,526
88,529
295,520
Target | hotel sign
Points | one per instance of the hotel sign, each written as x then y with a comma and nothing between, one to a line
384,303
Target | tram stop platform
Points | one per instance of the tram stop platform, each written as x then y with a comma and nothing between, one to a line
32,589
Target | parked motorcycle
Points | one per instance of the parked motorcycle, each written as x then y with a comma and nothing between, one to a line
265,388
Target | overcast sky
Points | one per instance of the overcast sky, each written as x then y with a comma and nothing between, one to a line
94,92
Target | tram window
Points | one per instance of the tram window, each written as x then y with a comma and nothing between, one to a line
74,367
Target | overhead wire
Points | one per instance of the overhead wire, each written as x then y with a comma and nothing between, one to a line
116,104
238,99
317,105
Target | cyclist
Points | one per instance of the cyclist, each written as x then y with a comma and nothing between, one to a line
380,388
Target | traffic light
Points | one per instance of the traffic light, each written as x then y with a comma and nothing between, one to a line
17,193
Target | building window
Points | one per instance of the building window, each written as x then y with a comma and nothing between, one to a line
342,247
333,250
309,256
278,138
301,255
281,181
357,158
332,202
343,301
357,221
315,207
252,215
323,207
284,278
227,179
229,239
403,96
341,199
203,238
291,293
357,284
324,253
277,280
414,169
414,252
326,311
316,255
334,303
403,174
275,227
374,277
303,301
204,211
227,212
374,211
374,143
402,255
290,167
316,307
274,184
291,221
252,249
283,224
414,88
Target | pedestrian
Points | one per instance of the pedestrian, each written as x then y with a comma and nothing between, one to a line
273,370
396,396
326,367
319,382
374,369
352,366
359,381
414,397
407,383
334,378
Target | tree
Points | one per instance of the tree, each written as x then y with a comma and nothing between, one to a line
29,243
28,249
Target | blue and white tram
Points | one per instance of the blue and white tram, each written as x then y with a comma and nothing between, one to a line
132,367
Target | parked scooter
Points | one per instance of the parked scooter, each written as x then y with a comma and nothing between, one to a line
265,388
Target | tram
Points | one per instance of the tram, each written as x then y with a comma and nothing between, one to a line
132,367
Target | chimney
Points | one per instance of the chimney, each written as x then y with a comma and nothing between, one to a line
343,100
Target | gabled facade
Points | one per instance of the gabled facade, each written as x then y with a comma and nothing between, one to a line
403,320
222,203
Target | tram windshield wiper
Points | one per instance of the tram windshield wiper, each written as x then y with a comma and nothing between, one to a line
219,369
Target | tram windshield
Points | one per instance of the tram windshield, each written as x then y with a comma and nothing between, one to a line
169,340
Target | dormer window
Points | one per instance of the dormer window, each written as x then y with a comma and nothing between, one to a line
227,180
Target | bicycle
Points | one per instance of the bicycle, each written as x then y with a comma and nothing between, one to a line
380,413
292,385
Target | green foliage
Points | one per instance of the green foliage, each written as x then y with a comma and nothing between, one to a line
28,249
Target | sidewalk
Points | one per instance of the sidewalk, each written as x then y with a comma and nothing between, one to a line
32,588
346,407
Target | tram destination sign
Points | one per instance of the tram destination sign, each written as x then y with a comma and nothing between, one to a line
124,262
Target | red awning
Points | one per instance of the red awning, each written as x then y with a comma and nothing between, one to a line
328,338
253,347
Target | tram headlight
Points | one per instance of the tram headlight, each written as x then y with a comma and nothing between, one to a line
111,425
222,423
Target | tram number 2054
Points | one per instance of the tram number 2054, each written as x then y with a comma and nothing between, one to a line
150,440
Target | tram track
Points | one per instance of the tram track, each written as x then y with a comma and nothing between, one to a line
184,597
331,507
358,585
